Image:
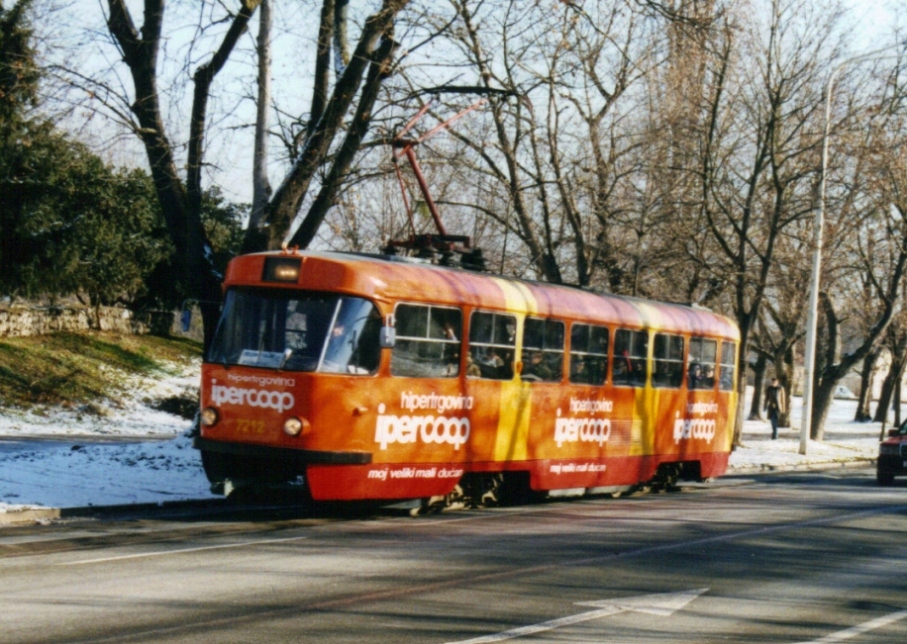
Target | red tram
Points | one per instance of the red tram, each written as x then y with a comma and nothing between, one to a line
369,377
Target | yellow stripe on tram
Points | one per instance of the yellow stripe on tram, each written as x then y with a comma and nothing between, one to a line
515,403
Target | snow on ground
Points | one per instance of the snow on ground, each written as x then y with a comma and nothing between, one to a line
135,454
122,454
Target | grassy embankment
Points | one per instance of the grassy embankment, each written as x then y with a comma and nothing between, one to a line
80,369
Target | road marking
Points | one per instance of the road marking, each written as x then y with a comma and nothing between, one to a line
164,553
662,604
854,631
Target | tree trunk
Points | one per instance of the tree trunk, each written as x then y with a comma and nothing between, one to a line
352,143
507,146
885,396
867,372
322,79
892,382
758,386
341,41
891,390
261,186
897,402
823,393
204,278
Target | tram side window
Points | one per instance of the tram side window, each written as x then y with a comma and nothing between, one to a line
668,361
588,354
726,375
543,350
701,364
428,341
492,341
630,357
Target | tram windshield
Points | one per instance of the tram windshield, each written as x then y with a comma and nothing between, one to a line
296,331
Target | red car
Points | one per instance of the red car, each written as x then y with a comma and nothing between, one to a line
892,456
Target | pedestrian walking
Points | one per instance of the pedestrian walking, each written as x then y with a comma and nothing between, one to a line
775,404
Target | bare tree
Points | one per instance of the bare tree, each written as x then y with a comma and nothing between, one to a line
329,144
757,180
181,203
553,145
867,183
369,65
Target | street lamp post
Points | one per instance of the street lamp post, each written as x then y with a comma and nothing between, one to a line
811,321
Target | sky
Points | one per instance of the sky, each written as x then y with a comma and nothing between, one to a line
874,20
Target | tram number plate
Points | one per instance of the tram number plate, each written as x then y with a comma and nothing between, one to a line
250,426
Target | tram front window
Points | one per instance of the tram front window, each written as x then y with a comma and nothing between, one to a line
297,332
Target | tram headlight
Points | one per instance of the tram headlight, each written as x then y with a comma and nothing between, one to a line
296,426
209,416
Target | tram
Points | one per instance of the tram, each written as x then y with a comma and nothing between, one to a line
367,377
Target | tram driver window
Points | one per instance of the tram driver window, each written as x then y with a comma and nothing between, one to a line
667,368
543,350
492,342
428,341
631,349
701,363
297,331
588,354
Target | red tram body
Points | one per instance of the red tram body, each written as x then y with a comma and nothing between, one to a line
378,378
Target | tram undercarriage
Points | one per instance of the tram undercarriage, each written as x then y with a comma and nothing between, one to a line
237,476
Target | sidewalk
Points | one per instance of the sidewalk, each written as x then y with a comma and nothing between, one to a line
845,441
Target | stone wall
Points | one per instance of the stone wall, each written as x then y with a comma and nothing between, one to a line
23,321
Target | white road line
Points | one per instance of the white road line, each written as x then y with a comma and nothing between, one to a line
164,553
661,604
850,633
544,626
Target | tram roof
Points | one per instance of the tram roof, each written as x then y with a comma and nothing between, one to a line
387,279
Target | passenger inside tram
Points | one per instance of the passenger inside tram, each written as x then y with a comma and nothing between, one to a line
536,369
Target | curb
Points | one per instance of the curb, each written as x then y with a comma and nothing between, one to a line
17,516
766,468
36,514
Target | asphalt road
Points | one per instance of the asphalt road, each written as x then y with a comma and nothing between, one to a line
807,557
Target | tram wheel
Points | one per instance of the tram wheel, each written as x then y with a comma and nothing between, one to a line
429,505
487,491
665,479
